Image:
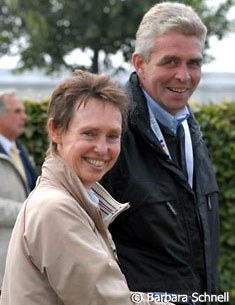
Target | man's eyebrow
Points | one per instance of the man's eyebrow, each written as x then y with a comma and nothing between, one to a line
199,59
18,109
175,57
169,57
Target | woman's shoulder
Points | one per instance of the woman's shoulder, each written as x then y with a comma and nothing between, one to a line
46,202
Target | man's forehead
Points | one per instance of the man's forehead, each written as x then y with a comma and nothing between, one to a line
14,103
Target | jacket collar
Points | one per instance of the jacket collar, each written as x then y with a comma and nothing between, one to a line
2,150
136,98
60,173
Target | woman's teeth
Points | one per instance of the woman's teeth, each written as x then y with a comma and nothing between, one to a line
96,163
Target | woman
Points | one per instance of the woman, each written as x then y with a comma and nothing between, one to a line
60,251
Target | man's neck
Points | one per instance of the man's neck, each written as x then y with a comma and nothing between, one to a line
5,143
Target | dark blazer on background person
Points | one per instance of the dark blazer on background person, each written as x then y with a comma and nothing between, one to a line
13,191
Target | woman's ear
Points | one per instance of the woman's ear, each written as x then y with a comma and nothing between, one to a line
54,133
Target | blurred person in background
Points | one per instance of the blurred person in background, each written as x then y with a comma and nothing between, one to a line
168,240
17,173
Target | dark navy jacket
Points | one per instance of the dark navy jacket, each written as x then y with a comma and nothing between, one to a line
29,168
168,240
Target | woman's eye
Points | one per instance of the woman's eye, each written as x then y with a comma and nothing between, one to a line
114,137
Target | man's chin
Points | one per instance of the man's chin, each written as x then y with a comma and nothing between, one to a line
20,133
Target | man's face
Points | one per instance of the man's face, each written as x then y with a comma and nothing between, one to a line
12,121
174,70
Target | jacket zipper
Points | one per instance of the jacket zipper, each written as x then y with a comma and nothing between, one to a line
209,202
171,208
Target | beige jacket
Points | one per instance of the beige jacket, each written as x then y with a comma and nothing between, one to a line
13,192
60,251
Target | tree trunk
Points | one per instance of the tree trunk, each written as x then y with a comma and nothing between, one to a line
95,61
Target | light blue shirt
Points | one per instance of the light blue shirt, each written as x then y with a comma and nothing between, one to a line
164,117
158,114
92,196
6,144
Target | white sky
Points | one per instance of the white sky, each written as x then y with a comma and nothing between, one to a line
223,51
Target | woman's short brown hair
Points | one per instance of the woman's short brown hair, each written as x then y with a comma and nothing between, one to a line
76,90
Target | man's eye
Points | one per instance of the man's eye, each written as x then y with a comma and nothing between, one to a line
196,63
170,63
88,133
19,111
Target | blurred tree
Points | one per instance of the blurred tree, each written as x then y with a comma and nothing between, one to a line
43,32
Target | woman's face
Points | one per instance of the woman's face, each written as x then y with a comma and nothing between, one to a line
91,144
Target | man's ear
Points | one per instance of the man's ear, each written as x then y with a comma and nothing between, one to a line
54,133
139,64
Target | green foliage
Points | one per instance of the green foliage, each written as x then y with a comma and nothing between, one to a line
218,125
35,137
51,30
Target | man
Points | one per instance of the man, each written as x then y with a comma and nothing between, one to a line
17,174
168,240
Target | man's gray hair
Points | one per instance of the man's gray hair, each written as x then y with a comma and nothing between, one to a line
4,96
167,17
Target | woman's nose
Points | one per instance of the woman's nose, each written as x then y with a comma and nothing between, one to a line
101,146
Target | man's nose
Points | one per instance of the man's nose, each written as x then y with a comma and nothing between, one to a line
23,115
183,73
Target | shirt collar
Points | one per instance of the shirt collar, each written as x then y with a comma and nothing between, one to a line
6,143
164,117
92,195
